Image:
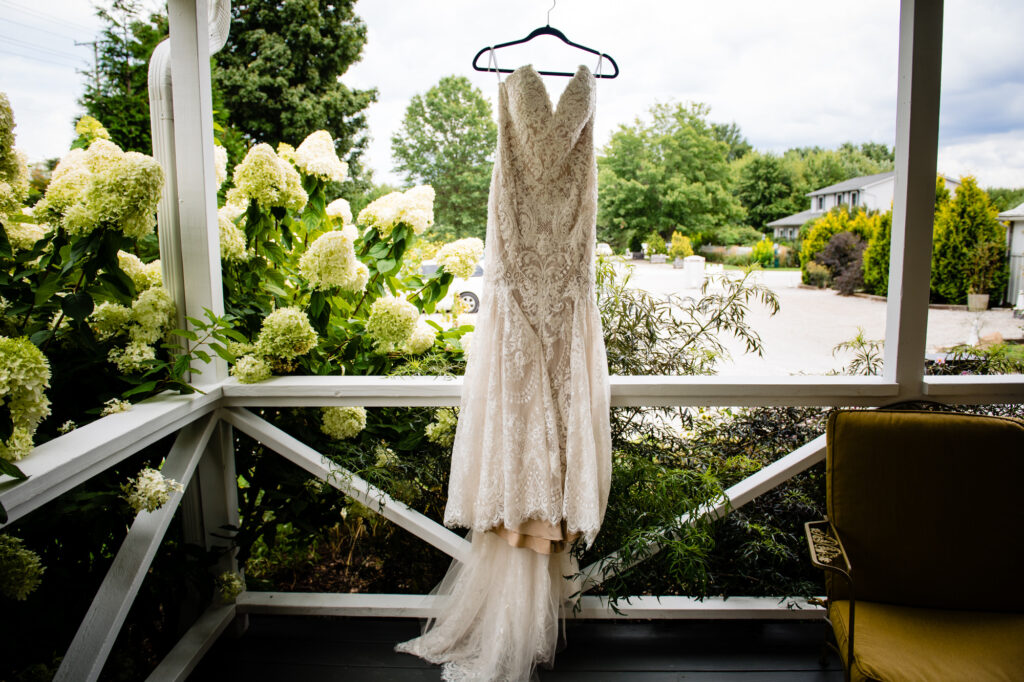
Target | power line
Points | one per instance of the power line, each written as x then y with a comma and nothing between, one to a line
34,58
33,46
47,16
35,27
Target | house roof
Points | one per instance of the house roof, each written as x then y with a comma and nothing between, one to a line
1013,213
853,183
797,219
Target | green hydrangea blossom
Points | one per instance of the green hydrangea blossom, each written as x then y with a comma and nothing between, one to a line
21,570
270,180
251,369
343,422
391,323
286,334
24,378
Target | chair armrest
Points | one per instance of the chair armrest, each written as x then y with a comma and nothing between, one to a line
826,548
827,552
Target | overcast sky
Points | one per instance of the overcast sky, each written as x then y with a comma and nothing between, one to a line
789,72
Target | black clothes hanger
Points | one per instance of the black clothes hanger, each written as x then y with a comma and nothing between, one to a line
544,31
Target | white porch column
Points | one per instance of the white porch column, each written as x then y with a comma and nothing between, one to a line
196,177
917,136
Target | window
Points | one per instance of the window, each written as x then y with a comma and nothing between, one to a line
839,198
821,203
853,198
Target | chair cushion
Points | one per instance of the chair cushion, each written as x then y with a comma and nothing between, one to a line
927,505
906,644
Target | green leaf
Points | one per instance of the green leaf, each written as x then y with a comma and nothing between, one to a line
47,288
5,244
186,333
77,306
202,355
387,266
11,470
379,250
141,388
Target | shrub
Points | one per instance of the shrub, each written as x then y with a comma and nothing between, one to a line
764,253
963,223
817,275
681,246
843,256
732,235
876,257
832,223
656,244
739,259
636,242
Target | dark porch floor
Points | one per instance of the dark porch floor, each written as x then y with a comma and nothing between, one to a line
318,648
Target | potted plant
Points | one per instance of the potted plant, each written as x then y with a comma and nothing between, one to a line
984,264
680,249
636,246
656,248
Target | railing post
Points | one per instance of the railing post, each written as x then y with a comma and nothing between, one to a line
917,136
212,502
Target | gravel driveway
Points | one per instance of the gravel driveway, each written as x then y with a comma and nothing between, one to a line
811,322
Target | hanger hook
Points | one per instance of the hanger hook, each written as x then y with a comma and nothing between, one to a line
553,3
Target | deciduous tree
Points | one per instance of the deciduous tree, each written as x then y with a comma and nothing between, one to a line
447,140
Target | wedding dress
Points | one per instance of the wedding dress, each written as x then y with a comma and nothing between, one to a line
531,462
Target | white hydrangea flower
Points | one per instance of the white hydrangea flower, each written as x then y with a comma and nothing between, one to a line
286,152
286,333
421,339
21,569
23,236
91,128
134,357
114,406
339,208
251,369
385,456
232,239
466,340
153,315
316,156
342,422
461,256
110,319
220,163
270,180
330,261
414,207
391,322
143,275
361,277
24,378
150,490
229,585
67,427
442,429
104,185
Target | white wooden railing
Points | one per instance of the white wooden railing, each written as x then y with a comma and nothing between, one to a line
202,456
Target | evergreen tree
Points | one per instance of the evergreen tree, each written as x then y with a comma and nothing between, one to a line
278,75
876,257
116,88
447,140
965,227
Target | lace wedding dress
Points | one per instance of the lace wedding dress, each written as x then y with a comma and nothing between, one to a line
531,463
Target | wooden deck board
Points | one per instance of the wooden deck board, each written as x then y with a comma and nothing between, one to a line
320,648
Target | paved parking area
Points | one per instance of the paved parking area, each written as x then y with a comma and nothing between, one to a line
811,322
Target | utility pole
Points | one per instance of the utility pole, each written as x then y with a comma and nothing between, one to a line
95,61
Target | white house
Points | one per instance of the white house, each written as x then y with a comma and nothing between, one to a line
870,192
1015,249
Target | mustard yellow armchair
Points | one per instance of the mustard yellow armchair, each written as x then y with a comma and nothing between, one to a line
923,546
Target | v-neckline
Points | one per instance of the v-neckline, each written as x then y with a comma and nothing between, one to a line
552,108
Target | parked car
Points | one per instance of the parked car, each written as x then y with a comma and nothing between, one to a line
470,291
604,249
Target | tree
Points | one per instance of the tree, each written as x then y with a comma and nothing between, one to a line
1005,198
821,231
823,167
730,134
876,257
116,88
667,173
767,187
447,140
963,226
278,75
